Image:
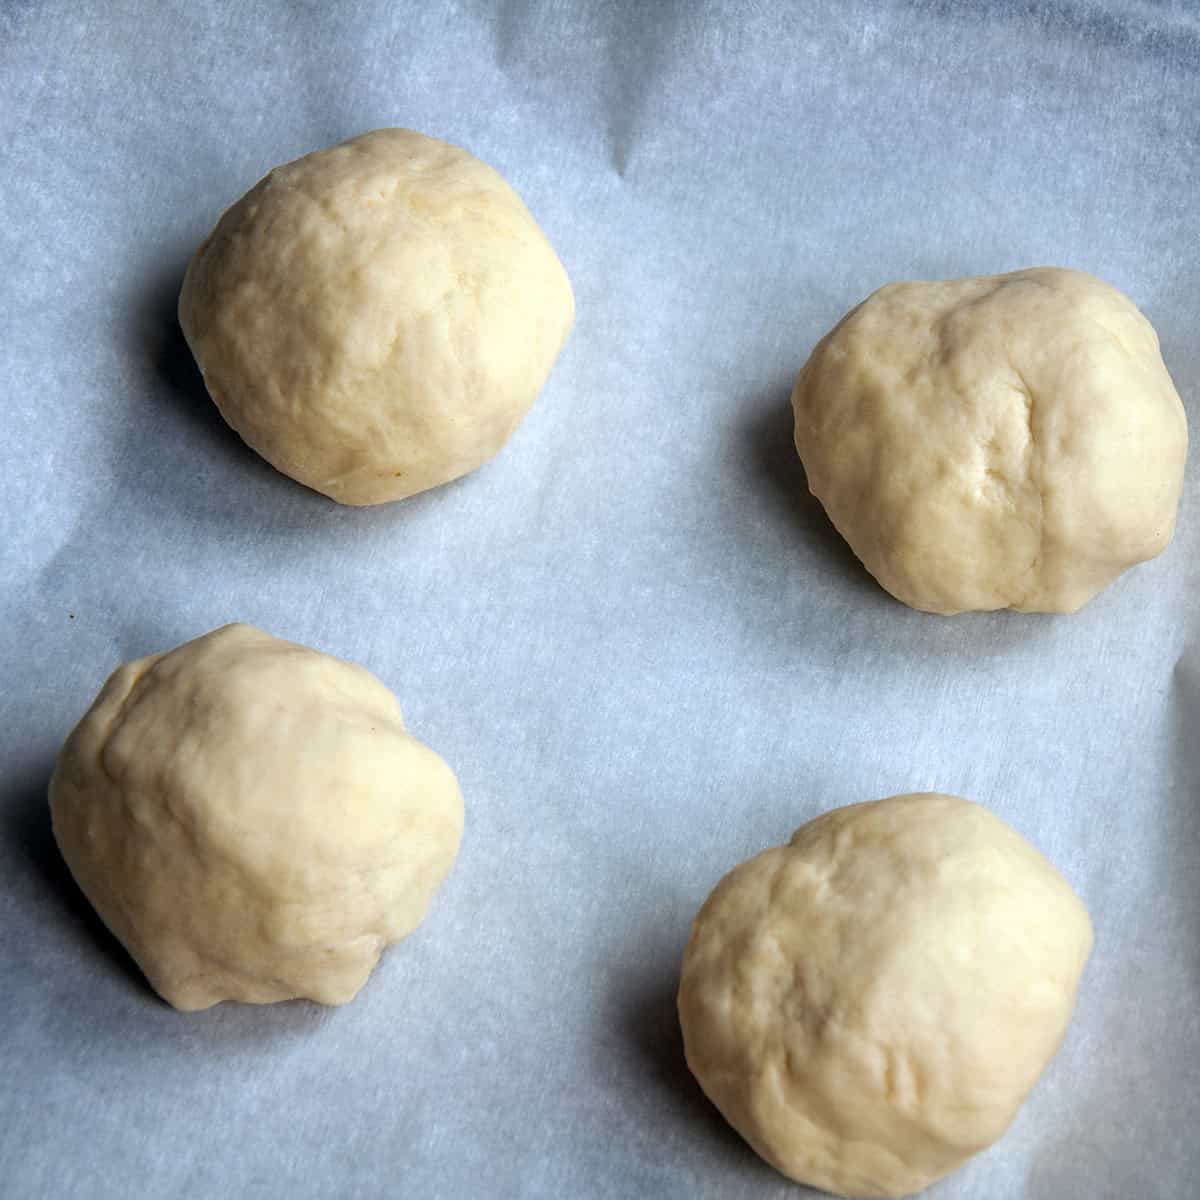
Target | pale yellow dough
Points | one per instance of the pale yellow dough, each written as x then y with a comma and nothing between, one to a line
870,1004
376,318
1011,441
251,820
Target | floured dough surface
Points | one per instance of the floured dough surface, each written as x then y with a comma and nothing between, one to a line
870,1004
376,318
251,819
1009,441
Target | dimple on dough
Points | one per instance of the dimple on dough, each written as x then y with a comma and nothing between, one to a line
376,318
1009,441
251,820
870,1004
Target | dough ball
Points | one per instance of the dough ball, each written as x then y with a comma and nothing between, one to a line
1011,441
251,820
376,318
869,1005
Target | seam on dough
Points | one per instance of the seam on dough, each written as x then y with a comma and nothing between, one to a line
116,722
1033,474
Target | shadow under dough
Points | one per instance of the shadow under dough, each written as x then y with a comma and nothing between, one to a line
649,1019
182,461
160,339
779,473
184,455
27,827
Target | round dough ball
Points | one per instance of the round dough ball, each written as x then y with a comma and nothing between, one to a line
376,318
251,820
1011,441
869,1005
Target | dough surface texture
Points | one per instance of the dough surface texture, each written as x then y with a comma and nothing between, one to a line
1008,441
251,820
869,1005
376,318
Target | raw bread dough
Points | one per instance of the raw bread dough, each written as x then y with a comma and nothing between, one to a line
869,1005
376,318
251,820
1011,441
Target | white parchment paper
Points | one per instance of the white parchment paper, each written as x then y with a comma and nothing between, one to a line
633,635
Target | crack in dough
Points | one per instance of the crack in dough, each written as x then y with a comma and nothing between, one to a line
1033,476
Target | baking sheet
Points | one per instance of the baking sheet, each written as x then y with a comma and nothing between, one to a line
633,635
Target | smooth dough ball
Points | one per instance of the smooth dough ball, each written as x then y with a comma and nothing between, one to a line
376,318
251,820
1011,441
869,1005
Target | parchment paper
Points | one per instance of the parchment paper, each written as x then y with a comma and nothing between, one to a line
634,636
